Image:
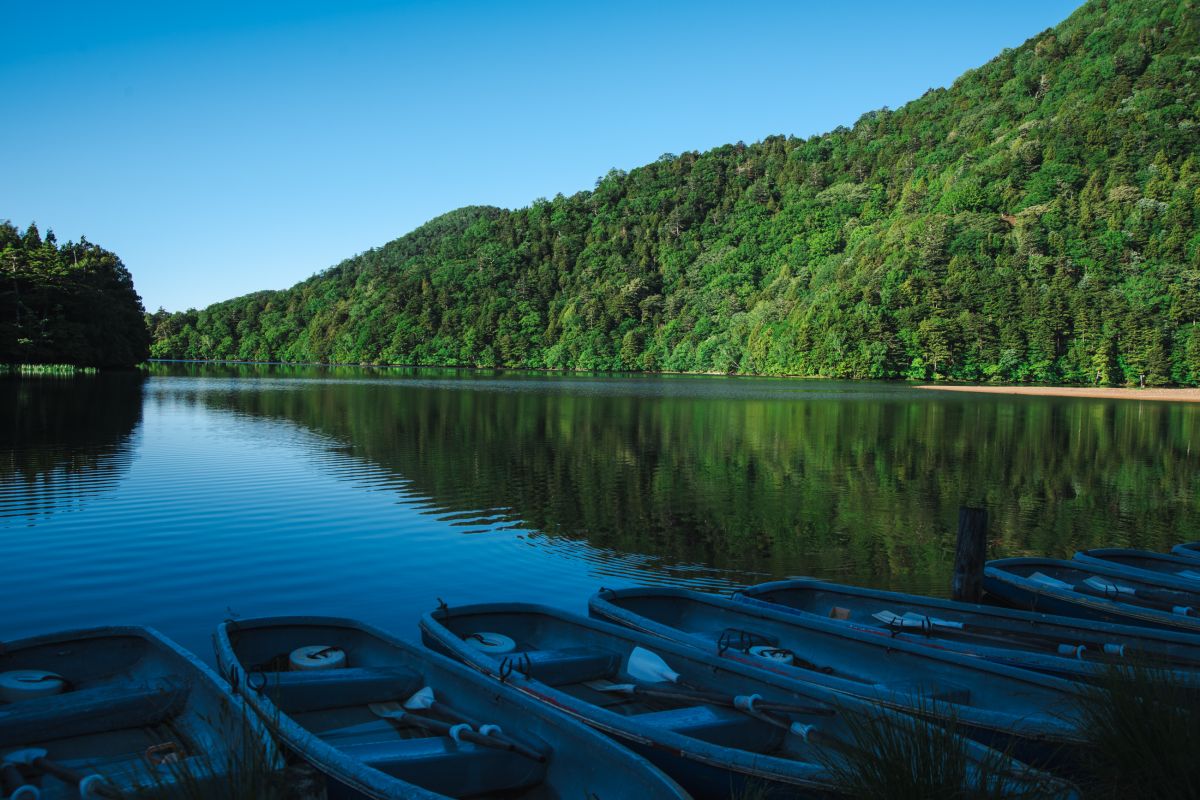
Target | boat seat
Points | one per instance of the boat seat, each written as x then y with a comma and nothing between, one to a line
930,690
439,764
97,709
568,665
297,692
715,724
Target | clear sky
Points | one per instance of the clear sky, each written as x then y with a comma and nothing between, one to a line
224,147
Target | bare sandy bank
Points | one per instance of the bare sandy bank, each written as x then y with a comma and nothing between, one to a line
1174,395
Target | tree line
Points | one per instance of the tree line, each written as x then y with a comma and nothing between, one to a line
69,304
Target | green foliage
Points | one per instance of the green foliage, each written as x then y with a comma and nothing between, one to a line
1143,726
901,756
1037,221
72,305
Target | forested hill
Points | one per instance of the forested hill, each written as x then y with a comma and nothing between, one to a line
69,304
1035,221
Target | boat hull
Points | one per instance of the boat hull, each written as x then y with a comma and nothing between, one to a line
1144,565
1011,709
1015,582
1024,639
706,765
327,717
136,709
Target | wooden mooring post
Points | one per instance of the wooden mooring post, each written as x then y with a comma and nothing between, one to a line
969,555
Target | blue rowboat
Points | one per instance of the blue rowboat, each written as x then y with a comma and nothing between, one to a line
117,711
1060,646
1189,550
1001,706
382,718
1145,565
1087,591
715,725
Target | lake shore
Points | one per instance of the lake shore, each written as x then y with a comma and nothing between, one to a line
1102,392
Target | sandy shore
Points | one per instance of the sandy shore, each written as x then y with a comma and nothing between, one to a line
1175,395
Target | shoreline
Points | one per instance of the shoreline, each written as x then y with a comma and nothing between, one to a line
1180,395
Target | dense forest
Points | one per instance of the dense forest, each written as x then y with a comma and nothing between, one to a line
1036,221
73,304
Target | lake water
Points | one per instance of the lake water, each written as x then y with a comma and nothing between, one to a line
202,492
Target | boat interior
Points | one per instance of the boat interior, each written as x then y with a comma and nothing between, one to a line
590,666
120,706
357,708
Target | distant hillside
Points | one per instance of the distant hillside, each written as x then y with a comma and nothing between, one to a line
73,304
1037,221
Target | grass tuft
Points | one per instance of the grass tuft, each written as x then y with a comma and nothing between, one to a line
905,757
1143,725
242,769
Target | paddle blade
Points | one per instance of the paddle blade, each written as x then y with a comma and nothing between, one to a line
421,699
609,686
892,618
1108,587
389,710
649,667
1053,583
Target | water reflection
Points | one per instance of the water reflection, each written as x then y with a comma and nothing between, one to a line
66,440
208,491
749,478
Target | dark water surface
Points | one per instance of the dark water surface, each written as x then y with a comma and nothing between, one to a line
205,491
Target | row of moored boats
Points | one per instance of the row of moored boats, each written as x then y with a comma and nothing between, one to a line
658,693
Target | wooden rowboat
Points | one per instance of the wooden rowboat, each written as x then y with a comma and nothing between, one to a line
382,718
1087,591
1145,564
1028,714
117,711
715,725
1190,550
1066,647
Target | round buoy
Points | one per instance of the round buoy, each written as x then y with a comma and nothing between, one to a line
23,684
778,654
317,656
494,643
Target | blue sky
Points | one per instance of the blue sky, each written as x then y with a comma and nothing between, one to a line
222,148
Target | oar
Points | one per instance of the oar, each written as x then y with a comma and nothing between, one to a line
1114,591
973,631
1109,590
89,785
424,698
646,666
729,701
394,712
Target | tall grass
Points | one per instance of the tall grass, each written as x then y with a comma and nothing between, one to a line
1143,724
906,757
242,767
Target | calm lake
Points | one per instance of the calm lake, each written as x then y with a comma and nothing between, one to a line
202,492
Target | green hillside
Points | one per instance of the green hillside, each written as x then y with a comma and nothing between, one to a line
1037,221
